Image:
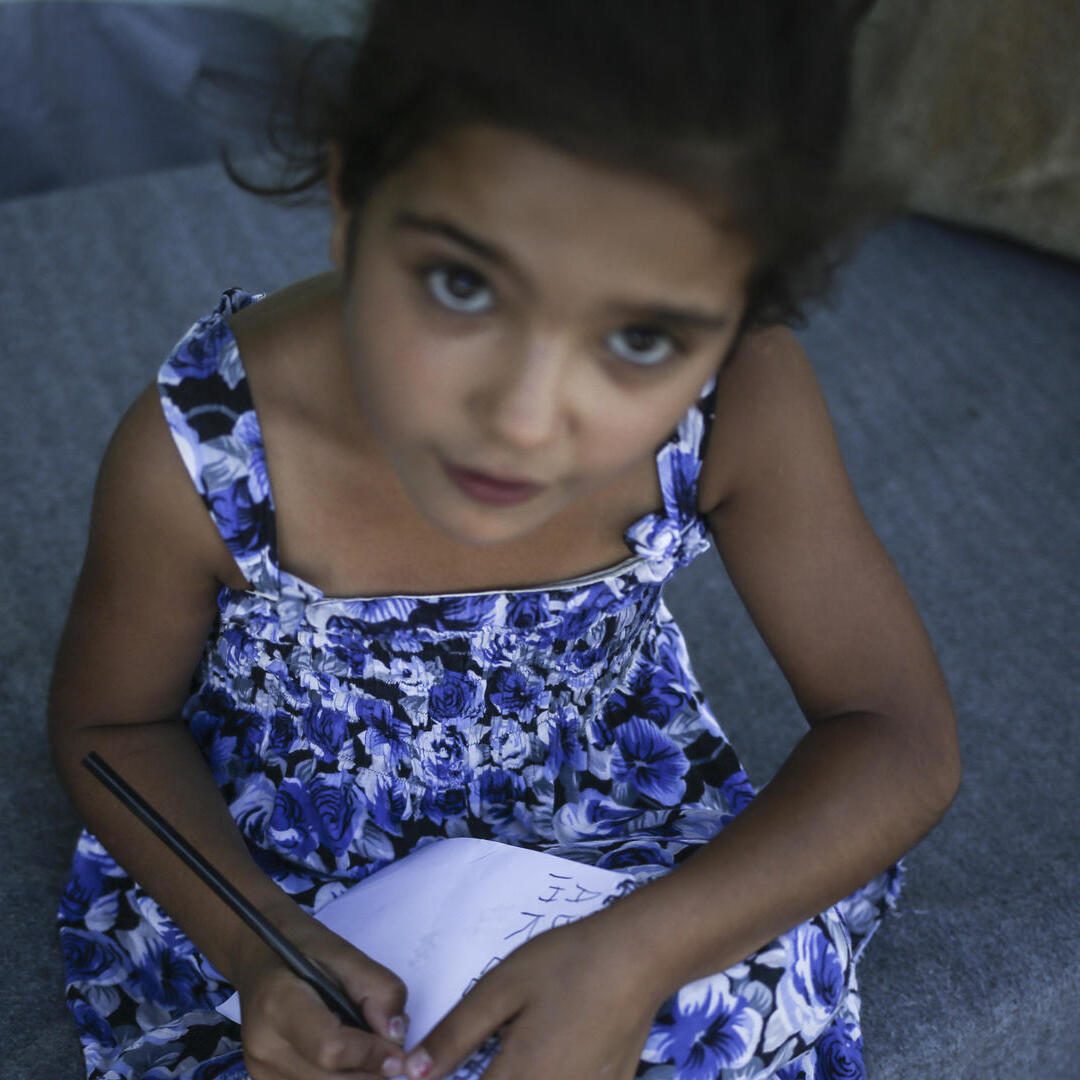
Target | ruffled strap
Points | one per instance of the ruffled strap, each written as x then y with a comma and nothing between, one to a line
676,536
208,406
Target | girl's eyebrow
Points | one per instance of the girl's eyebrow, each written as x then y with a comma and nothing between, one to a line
406,219
690,317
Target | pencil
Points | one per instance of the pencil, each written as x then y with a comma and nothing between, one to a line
326,987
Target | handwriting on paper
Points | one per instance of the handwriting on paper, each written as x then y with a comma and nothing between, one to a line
445,915
562,900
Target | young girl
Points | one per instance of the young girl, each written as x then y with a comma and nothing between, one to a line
408,523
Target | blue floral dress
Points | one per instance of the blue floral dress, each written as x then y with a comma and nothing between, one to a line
346,732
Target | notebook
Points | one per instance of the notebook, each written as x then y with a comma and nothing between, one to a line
444,915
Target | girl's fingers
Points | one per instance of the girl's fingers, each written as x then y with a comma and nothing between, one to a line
285,1020
289,1065
297,1025
378,991
478,1015
532,1055
382,1001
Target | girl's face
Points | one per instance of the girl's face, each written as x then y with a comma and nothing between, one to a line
515,311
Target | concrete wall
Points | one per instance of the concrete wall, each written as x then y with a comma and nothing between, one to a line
978,106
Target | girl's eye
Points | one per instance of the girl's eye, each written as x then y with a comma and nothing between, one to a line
458,288
645,346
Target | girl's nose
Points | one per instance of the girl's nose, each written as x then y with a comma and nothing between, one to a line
526,404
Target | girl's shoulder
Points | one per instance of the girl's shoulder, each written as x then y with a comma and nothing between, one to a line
279,356
767,403
149,535
264,416
291,350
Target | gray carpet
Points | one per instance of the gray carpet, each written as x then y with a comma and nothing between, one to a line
952,365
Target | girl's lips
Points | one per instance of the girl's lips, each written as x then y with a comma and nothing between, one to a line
490,489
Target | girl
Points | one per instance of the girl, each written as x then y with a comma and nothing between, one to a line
408,523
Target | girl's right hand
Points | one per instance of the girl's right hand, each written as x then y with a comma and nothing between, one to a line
289,1034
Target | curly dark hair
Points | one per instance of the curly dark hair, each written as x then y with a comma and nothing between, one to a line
741,103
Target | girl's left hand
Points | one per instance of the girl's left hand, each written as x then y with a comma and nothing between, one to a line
565,1004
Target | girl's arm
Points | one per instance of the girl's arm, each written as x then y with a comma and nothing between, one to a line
880,764
877,769
139,619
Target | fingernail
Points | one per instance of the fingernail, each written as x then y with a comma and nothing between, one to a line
418,1064
396,1028
392,1067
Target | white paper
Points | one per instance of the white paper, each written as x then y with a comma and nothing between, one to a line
442,916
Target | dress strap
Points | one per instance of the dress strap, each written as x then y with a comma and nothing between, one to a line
680,459
676,536
706,403
209,409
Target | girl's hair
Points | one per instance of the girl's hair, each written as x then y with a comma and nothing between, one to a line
743,104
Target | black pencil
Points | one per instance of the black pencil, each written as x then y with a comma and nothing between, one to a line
326,987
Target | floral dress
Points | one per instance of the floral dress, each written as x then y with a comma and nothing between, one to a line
344,733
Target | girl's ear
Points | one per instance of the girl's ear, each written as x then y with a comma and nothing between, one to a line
339,229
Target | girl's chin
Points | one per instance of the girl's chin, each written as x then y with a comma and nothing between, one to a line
477,524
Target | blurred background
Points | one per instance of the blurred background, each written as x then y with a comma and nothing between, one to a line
96,89
975,104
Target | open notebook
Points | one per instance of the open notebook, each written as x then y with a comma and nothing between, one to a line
445,914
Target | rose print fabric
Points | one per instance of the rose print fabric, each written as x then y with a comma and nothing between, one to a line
344,733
